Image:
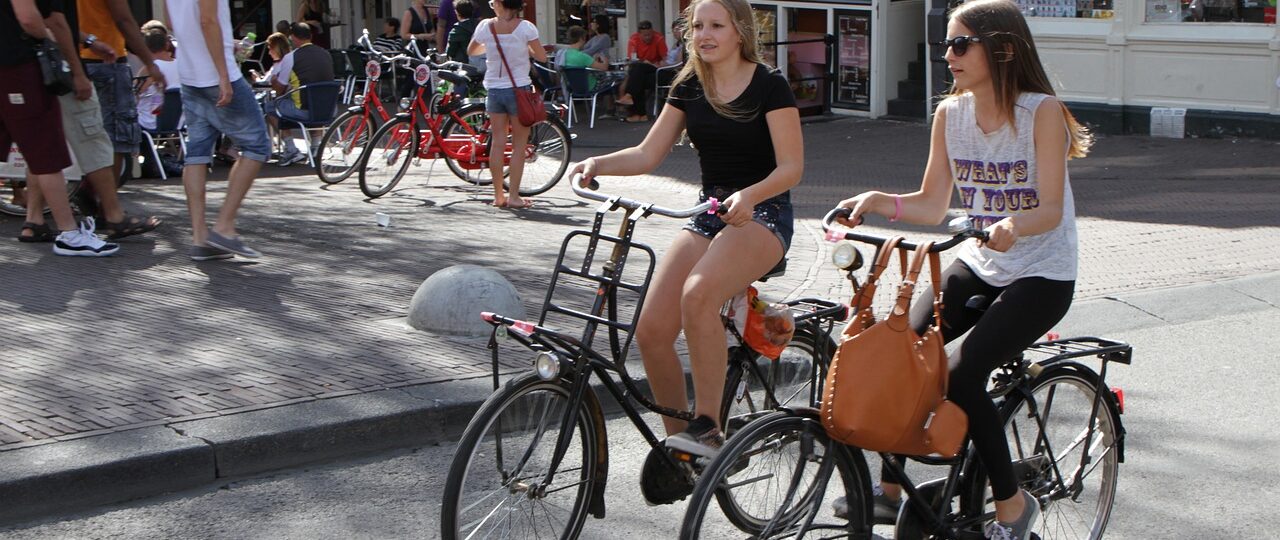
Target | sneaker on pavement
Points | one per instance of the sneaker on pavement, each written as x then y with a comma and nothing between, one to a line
701,438
289,158
1020,529
234,245
209,253
82,242
659,482
884,510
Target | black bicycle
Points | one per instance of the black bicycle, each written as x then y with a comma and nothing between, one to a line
1064,430
534,459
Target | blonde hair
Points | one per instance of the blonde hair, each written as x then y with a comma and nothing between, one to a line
1015,64
744,22
279,42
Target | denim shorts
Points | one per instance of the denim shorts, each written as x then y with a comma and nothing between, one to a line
114,84
241,121
774,213
502,100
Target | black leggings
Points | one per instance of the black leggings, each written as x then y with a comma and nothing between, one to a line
1022,312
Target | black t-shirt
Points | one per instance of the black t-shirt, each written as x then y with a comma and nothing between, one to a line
734,153
16,47
312,64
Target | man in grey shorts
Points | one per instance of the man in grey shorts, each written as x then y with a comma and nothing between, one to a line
82,125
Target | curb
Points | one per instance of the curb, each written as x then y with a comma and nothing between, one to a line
56,479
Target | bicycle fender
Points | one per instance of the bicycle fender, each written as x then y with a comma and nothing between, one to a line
596,507
356,109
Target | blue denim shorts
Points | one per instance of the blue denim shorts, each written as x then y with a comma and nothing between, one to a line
774,213
241,121
502,100
114,84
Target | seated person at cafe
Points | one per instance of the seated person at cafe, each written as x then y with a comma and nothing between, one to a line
647,50
389,41
310,64
573,57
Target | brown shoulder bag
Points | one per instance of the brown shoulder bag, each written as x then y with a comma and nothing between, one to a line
887,386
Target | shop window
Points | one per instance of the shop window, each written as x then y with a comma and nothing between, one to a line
1071,9
767,32
807,57
1247,11
853,58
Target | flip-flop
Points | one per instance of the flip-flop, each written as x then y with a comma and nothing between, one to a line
40,232
129,226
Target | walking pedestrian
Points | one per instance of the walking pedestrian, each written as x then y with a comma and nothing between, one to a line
216,99
82,124
517,39
31,118
740,115
1002,140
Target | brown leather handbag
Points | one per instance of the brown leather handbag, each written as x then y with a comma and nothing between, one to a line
887,386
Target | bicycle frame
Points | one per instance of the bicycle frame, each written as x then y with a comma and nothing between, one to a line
577,358
471,151
1017,378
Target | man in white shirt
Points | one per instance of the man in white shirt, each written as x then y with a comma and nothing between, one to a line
216,99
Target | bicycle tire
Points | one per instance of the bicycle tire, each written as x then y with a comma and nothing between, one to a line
552,147
342,145
8,207
458,514
1036,474
453,128
758,459
391,149
788,376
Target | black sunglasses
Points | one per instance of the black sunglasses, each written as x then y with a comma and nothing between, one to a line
959,44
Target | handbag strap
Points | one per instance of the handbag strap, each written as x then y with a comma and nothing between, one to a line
498,43
909,281
865,294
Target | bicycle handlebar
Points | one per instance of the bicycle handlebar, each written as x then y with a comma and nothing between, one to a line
961,229
712,205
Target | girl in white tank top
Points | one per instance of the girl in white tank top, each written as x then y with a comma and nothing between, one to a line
1000,142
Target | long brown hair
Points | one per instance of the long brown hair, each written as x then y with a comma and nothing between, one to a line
1014,63
745,23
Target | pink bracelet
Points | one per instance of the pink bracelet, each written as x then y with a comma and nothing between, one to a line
897,208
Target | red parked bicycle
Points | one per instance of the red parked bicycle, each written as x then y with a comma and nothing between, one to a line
456,130
345,139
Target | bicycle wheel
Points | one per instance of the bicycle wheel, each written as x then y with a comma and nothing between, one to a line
792,378
342,145
1047,441
391,150
775,478
494,488
474,126
13,192
547,158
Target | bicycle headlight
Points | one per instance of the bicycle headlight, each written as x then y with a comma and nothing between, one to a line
358,100
845,256
405,103
547,365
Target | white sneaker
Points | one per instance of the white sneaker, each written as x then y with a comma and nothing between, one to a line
83,242
289,158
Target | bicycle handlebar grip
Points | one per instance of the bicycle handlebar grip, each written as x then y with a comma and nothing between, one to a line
716,208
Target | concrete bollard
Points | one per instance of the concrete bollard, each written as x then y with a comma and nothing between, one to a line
450,301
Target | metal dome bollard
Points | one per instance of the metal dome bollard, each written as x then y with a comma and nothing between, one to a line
450,301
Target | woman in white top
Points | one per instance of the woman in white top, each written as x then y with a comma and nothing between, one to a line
519,41
1002,140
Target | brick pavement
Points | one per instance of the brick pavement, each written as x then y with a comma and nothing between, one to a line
150,338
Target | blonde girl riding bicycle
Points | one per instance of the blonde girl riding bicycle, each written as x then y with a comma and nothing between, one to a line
742,119
1001,141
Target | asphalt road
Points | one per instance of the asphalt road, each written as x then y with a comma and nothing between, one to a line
1201,458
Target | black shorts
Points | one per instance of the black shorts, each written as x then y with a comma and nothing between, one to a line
774,213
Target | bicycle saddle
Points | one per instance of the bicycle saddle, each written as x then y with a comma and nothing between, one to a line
454,77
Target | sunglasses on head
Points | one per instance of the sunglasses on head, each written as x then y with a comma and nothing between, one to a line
958,44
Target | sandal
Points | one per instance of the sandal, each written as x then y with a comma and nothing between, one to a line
40,232
129,226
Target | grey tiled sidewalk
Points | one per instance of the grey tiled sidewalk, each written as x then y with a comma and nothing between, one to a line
150,338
